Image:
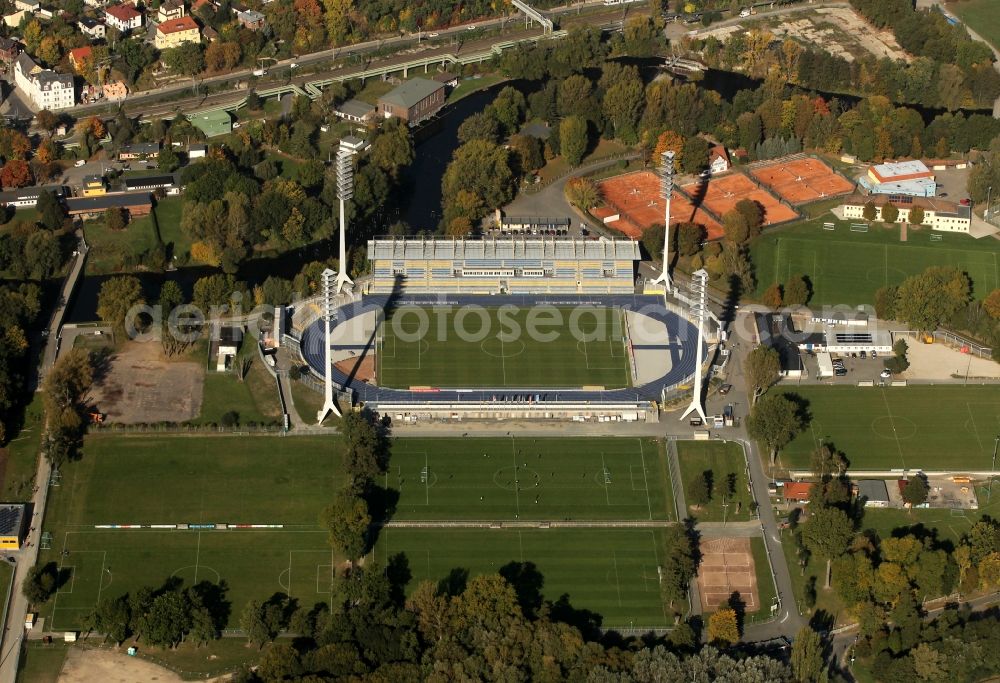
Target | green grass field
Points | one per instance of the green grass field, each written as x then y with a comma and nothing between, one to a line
170,480
413,353
981,17
951,525
145,480
612,572
722,458
554,479
938,427
847,267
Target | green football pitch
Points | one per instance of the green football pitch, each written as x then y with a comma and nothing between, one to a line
609,571
506,479
147,480
491,347
848,267
934,428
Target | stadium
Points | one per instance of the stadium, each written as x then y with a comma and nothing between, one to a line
506,328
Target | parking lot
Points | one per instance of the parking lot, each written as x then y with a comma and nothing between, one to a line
858,370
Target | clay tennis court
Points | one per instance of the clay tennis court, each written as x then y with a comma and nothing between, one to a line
726,567
723,192
636,198
800,181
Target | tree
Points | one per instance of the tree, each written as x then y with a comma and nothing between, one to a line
186,59
774,421
16,173
40,582
763,367
622,106
582,193
698,490
928,299
347,521
695,156
772,296
115,218
808,663
992,304
826,534
870,211
885,302
528,150
459,226
481,172
735,225
111,617
480,126
889,213
723,627
50,210
689,238
46,120
916,490
573,139
796,291
167,621
253,624
669,141
367,447
916,216
753,214
117,297
167,159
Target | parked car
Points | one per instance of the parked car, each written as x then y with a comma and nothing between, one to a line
885,374
864,354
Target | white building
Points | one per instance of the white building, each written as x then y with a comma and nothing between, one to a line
92,28
939,214
123,17
718,160
45,88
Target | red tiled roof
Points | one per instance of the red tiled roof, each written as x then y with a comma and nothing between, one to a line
79,54
122,12
797,490
180,24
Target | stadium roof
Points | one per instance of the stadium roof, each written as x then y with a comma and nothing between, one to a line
513,248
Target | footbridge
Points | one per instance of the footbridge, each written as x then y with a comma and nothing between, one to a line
531,14
675,63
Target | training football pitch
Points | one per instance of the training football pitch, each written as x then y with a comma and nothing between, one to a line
530,479
612,572
424,346
917,427
846,267
286,482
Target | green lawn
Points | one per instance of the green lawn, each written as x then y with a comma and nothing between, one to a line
168,221
192,480
113,251
41,663
255,398
811,575
612,572
722,459
766,591
938,427
20,455
848,267
467,86
537,479
422,346
981,16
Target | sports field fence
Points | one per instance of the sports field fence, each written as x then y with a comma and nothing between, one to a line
953,339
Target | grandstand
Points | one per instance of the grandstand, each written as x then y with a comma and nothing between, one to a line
504,265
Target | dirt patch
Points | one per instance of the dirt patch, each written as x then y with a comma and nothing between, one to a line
139,384
942,362
635,197
109,666
359,367
727,567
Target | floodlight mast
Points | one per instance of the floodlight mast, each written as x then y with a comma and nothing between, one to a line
345,190
699,309
666,173
329,283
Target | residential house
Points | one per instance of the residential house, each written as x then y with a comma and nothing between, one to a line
354,143
92,28
9,50
45,88
939,214
13,20
96,4
78,58
210,34
718,160
122,17
29,6
355,111
177,32
116,91
796,492
138,150
170,9
197,151
251,19
413,101
93,186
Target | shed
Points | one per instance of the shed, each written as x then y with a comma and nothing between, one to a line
874,492
212,123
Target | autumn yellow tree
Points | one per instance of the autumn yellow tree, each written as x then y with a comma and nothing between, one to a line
205,253
669,140
459,227
723,627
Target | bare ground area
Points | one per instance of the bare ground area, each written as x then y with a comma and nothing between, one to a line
938,361
139,384
109,666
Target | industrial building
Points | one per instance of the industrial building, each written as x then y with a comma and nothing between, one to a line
776,331
503,265
11,525
212,123
413,101
910,178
